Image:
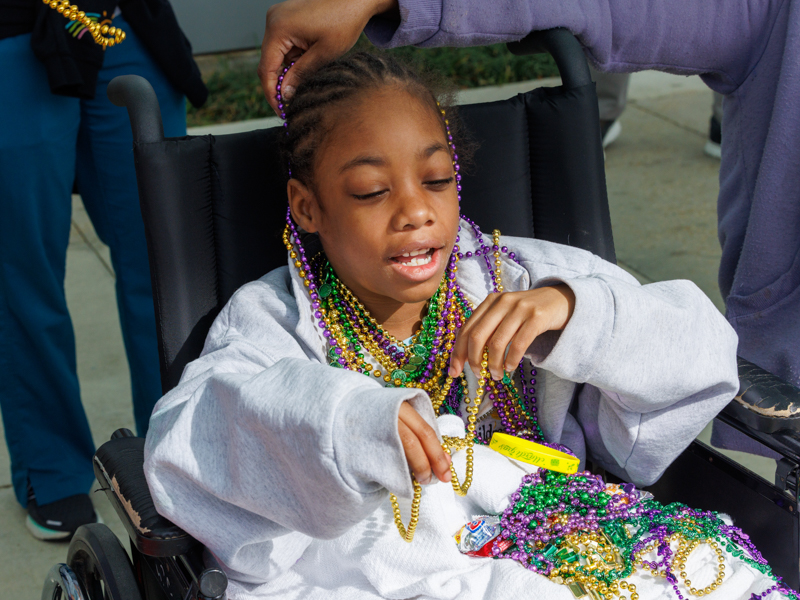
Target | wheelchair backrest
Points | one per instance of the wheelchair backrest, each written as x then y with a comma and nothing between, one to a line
214,206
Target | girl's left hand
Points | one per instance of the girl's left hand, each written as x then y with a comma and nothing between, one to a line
510,320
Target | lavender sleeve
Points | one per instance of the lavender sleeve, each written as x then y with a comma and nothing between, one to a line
722,41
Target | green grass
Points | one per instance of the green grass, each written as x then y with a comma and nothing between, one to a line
235,93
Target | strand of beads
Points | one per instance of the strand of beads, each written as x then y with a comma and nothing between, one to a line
498,280
352,327
96,30
452,444
451,143
281,108
407,533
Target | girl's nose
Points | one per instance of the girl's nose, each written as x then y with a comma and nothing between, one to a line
414,209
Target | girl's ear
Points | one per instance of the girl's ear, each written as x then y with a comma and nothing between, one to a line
303,203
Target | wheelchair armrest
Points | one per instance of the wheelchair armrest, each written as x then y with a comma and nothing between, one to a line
766,409
765,402
119,467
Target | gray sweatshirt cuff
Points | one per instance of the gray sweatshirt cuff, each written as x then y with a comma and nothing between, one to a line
366,444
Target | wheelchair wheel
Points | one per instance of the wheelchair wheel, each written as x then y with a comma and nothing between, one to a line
101,564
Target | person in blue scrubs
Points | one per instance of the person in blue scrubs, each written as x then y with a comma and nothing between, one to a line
47,143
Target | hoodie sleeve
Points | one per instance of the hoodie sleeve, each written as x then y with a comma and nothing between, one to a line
722,41
262,441
658,361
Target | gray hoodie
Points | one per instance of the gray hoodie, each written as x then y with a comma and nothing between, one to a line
263,451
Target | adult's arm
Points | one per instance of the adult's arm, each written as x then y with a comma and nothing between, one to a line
720,40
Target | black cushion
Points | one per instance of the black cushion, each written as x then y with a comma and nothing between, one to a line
118,465
765,402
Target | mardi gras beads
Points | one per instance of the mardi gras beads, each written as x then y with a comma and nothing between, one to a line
96,30
590,536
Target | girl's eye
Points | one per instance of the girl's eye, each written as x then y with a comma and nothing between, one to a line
369,196
439,184
436,185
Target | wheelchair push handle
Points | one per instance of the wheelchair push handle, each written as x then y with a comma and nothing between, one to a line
137,95
124,432
564,48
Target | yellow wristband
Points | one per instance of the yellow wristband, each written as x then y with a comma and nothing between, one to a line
533,453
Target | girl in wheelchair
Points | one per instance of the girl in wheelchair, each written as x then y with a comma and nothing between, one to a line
407,373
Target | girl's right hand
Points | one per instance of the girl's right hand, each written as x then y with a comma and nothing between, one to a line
311,33
424,452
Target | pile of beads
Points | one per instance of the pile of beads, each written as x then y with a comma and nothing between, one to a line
590,536
97,31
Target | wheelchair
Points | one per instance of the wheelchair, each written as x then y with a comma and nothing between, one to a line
214,208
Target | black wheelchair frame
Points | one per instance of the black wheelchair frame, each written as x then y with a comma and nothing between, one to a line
559,189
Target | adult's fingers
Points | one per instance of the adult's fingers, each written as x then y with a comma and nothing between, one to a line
269,69
308,62
423,451
321,30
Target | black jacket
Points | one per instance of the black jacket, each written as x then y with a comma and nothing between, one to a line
73,62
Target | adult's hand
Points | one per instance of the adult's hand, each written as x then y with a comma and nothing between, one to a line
310,32
424,453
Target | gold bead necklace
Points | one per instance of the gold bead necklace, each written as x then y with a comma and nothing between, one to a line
453,444
97,31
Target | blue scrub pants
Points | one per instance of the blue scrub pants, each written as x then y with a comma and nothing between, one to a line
46,142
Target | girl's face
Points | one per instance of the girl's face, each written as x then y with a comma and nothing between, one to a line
384,199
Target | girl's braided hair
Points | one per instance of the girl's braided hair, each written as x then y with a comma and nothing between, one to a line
344,78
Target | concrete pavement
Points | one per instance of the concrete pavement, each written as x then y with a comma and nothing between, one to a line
662,190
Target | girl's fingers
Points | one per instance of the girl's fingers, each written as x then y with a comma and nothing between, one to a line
509,322
501,338
471,333
523,338
415,455
423,450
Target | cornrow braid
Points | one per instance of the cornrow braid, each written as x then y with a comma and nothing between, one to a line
308,113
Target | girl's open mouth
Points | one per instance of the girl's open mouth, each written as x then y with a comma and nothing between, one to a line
417,265
415,258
